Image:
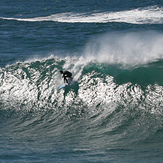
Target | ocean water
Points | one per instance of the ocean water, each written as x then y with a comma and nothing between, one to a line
113,112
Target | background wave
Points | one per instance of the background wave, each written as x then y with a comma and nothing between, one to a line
147,15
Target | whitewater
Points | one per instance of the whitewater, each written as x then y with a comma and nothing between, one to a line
149,15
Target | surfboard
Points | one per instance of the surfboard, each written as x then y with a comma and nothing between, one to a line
67,84
63,86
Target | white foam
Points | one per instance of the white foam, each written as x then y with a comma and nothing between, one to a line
148,15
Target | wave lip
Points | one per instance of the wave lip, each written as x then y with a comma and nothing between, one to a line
148,15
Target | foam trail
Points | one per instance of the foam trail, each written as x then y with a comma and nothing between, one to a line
148,15
128,49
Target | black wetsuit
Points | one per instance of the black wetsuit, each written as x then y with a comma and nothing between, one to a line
66,74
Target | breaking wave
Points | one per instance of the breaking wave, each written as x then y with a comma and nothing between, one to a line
113,66
118,106
122,108
35,85
148,15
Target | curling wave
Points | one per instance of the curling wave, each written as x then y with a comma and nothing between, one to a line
35,85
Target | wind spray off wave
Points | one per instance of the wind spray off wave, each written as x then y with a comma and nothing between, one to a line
131,48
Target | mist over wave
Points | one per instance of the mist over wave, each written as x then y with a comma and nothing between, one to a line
127,48
147,15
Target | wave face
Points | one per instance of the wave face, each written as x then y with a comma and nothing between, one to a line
147,15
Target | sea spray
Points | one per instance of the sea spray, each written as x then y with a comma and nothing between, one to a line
126,48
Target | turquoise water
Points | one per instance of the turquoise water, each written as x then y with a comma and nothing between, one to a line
113,112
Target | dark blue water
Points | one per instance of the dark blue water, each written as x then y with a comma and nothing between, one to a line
113,112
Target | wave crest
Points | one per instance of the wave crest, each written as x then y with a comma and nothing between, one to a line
35,85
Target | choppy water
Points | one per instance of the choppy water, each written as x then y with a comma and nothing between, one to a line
113,112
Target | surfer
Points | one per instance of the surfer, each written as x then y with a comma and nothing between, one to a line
66,74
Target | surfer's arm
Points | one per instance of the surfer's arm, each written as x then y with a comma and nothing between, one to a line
64,75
